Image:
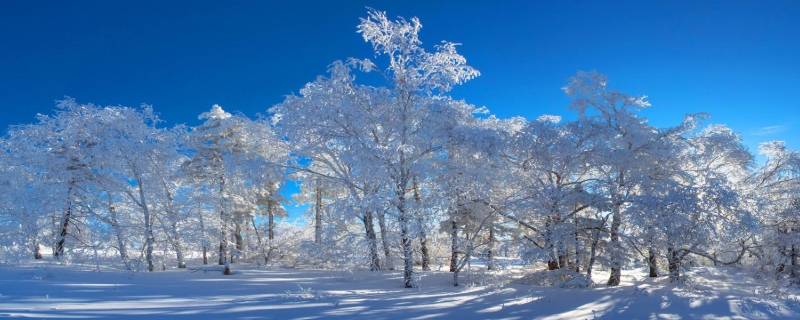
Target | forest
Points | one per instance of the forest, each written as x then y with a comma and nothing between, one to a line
396,174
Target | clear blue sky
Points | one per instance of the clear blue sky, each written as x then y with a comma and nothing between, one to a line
739,61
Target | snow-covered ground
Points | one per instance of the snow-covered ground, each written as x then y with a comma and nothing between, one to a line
48,291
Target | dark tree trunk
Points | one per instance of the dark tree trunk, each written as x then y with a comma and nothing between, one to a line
372,242
223,241
794,272
423,247
270,231
615,246
561,248
148,225
178,252
562,259
205,239
405,241
490,251
714,254
423,236
271,227
37,254
58,250
615,249
318,215
62,236
460,266
221,255
387,253
652,262
453,246
577,248
237,237
674,264
549,246
593,252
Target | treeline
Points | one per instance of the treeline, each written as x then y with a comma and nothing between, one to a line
400,173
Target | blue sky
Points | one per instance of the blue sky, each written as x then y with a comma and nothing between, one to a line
739,61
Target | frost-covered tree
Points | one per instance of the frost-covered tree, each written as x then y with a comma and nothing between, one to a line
326,125
418,112
132,155
622,150
59,150
471,187
776,190
225,146
554,176
389,131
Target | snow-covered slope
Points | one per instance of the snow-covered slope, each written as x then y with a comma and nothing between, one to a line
46,291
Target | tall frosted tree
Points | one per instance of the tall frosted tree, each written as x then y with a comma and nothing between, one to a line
223,146
552,173
776,191
59,148
136,159
623,142
417,113
390,130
